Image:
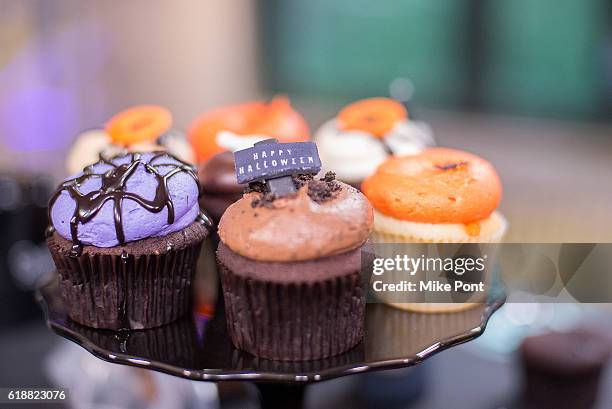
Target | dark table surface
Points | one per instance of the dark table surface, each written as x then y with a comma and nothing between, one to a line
462,377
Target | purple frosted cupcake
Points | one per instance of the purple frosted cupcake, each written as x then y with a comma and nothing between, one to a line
125,236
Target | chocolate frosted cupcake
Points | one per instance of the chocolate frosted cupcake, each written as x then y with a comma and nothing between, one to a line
125,236
290,268
563,370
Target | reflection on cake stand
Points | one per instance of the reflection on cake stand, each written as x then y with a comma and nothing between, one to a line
197,347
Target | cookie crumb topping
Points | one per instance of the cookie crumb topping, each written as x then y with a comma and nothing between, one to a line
324,189
319,191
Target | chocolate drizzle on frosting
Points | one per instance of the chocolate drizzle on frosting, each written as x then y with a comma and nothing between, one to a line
113,183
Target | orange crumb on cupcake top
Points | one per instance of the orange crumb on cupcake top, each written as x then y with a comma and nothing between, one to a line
376,116
439,185
142,123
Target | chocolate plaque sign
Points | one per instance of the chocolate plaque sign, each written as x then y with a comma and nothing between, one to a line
270,160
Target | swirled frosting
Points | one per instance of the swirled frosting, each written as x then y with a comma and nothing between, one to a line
312,224
126,198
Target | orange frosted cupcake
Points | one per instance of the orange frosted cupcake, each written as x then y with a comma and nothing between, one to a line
439,196
141,128
238,126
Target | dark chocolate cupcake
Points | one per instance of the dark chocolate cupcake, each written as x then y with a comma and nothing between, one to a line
125,237
563,370
290,269
219,185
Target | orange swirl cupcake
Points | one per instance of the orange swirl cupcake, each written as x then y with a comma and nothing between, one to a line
276,119
216,134
141,128
365,133
439,196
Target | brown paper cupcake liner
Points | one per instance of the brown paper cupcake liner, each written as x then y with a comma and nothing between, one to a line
104,289
294,321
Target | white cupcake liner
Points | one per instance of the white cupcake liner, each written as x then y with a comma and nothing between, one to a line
379,237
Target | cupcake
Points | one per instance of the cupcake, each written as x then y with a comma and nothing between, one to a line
219,186
569,363
290,269
137,129
365,133
276,119
439,196
216,134
125,235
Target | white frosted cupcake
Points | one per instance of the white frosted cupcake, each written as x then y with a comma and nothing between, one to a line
144,128
365,133
439,196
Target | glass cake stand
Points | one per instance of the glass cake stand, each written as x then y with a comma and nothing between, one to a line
197,347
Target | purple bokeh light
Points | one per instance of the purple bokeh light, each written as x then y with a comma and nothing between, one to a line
38,119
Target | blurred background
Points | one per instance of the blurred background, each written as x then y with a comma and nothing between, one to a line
525,83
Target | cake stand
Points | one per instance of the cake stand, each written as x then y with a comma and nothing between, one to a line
197,347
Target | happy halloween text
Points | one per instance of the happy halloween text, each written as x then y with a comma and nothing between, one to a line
274,158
